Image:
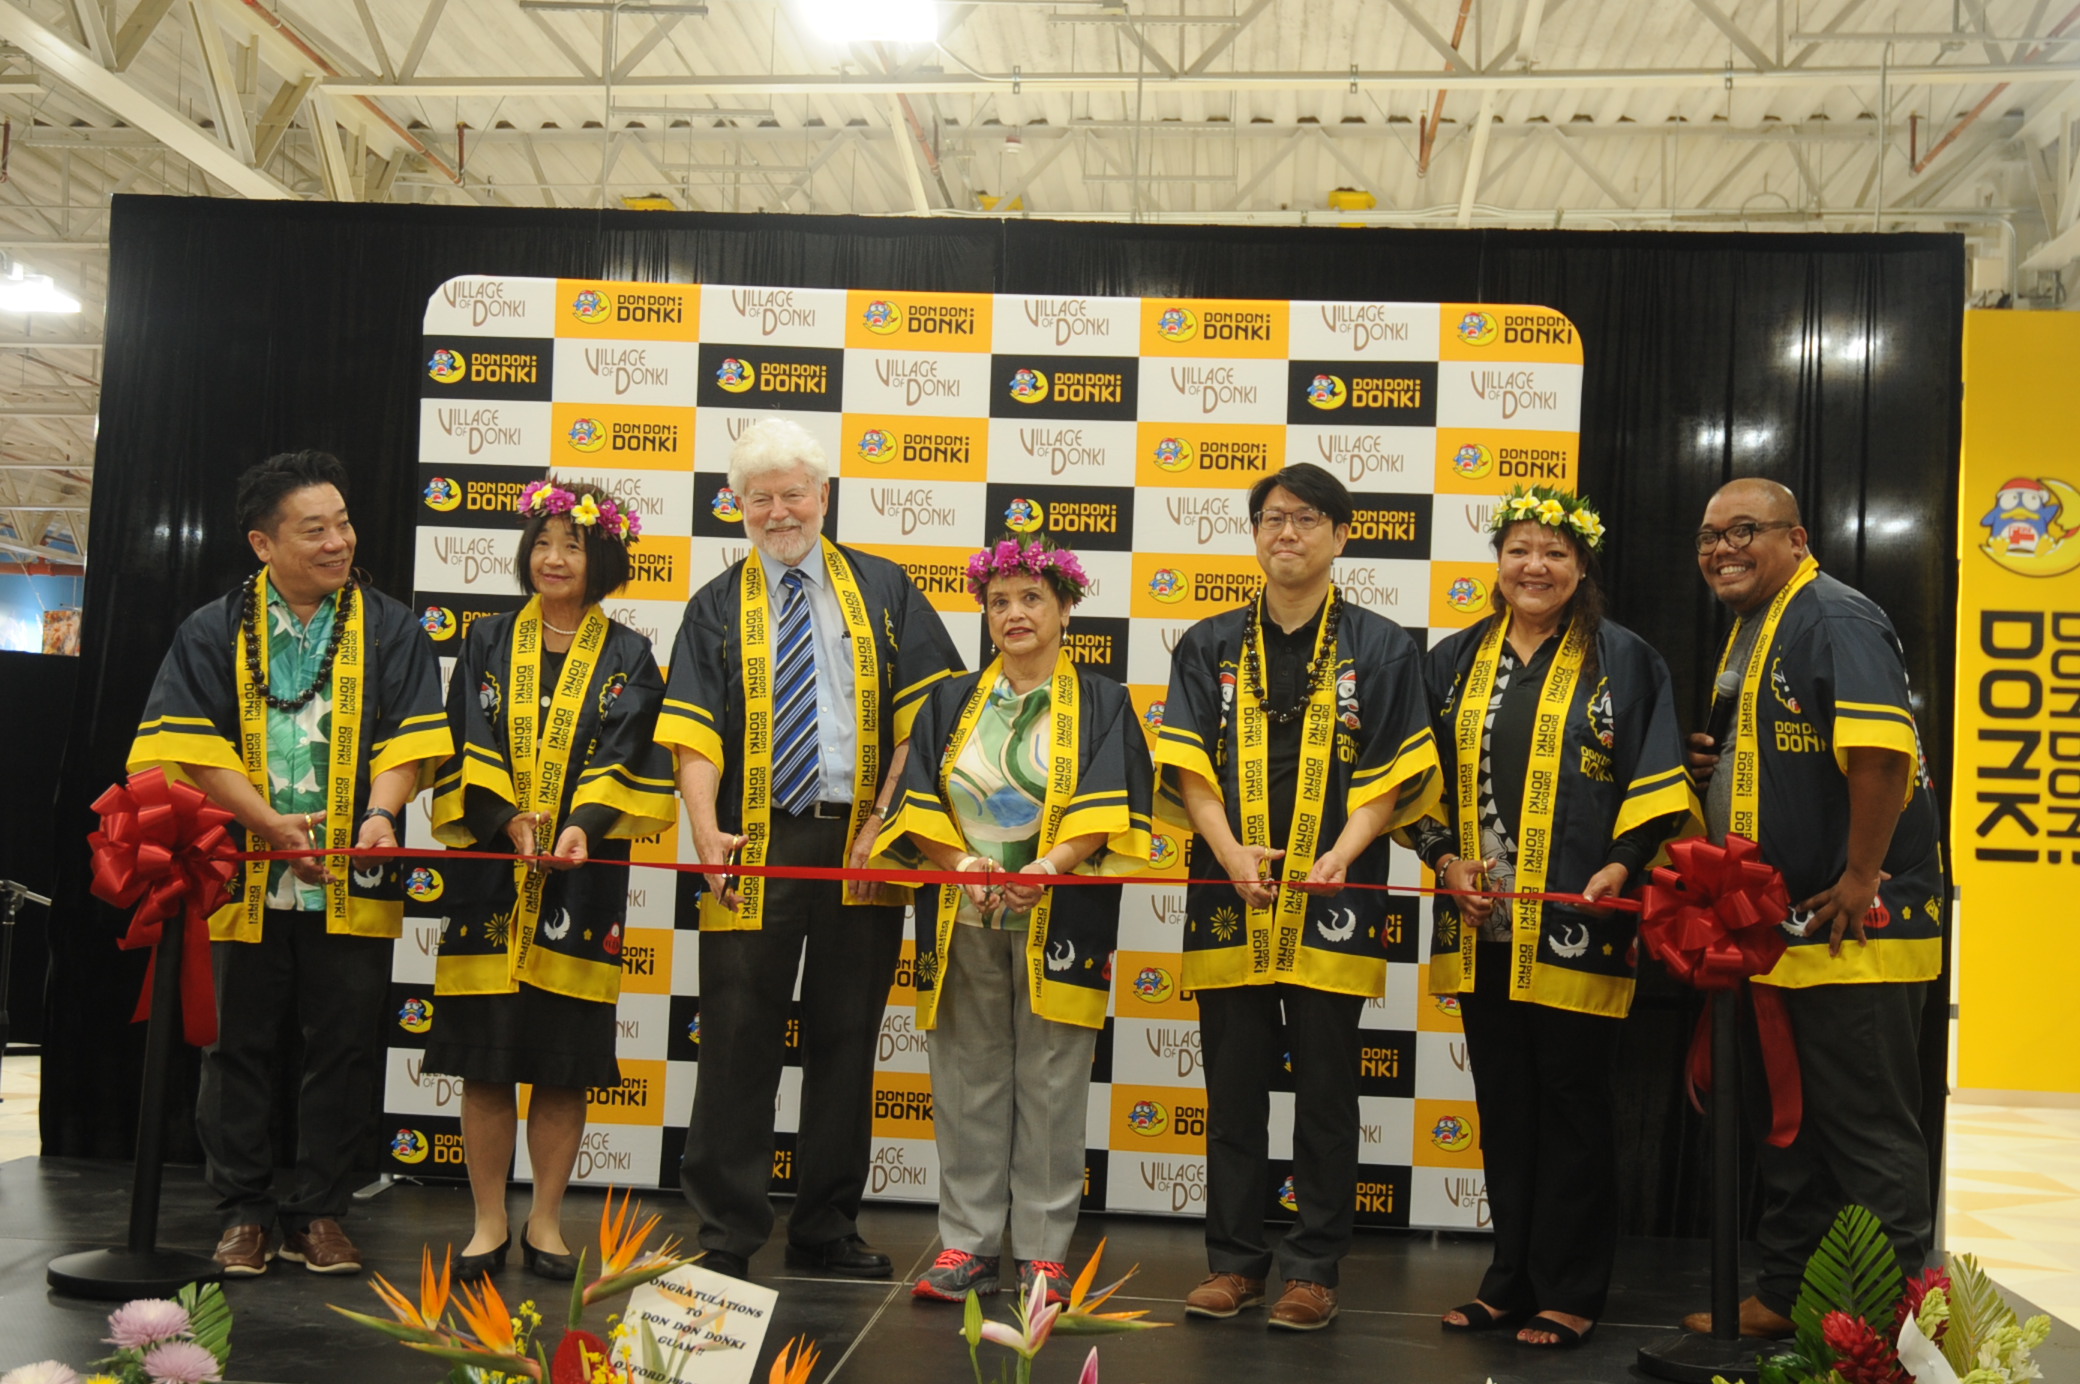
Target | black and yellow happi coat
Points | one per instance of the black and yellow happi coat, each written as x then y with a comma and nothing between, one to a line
1617,765
385,690
1366,735
1099,781
594,747
719,703
1828,675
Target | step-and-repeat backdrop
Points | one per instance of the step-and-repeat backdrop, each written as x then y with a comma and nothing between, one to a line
1129,429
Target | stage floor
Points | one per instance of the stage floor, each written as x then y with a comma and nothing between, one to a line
1394,1286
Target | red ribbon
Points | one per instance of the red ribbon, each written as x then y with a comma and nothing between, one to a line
163,847
1713,917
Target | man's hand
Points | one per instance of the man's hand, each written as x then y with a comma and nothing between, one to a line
300,831
869,891
1701,754
376,834
1251,869
520,830
1607,883
571,850
1325,879
1467,875
1841,909
716,848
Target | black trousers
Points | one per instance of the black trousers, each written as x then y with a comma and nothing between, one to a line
847,959
332,987
1542,1082
1244,1031
1860,1139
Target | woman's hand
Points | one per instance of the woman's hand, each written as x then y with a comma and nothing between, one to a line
1248,866
571,851
1607,883
1021,897
300,831
1467,875
986,897
376,834
1325,880
520,830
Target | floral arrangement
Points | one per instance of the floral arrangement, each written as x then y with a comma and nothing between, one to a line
1859,1322
185,1339
488,1343
1037,1319
1551,506
547,497
1057,566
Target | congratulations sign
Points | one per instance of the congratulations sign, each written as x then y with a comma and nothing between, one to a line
1128,429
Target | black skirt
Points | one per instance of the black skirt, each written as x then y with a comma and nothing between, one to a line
534,1036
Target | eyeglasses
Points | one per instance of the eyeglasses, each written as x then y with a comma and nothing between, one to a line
1736,536
1305,520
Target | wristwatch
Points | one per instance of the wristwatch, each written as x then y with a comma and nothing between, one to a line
385,813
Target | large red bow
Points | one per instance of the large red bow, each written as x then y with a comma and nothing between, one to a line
162,846
1714,920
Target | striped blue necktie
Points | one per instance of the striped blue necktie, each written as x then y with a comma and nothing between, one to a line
797,765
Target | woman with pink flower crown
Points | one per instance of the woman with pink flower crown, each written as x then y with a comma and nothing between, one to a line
554,709
1031,768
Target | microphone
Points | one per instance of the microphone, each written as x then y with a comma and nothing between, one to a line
1726,700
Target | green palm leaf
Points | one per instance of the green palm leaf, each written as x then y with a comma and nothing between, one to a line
1976,1309
209,1319
1853,1271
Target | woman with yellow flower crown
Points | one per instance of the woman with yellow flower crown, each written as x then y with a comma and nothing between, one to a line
1568,722
555,708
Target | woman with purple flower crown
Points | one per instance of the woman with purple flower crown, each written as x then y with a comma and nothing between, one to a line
554,710
1041,769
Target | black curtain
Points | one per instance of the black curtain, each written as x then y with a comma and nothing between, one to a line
237,329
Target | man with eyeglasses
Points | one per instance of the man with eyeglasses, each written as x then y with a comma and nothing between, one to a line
1826,774
1295,735
794,680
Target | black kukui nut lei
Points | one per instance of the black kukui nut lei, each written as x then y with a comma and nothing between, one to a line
1318,667
252,627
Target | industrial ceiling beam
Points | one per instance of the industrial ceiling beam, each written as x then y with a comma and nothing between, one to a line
110,90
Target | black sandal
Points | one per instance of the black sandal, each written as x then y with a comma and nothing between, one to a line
1479,1318
1569,1337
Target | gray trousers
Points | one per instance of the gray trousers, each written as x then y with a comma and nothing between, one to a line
1009,1095
1860,1139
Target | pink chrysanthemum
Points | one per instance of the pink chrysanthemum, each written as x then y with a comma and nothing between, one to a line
42,1372
181,1362
145,1322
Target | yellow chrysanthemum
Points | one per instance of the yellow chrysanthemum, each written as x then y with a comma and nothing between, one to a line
585,512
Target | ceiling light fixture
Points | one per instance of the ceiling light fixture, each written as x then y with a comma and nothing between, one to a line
893,21
23,292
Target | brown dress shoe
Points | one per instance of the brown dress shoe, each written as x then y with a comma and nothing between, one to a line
243,1251
1304,1306
1222,1295
1757,1321
322,1247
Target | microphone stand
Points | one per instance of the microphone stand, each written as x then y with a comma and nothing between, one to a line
12,896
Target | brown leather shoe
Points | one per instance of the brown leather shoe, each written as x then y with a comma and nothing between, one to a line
1222,1295
1304,1306
243,1251
322,1247
1757,1321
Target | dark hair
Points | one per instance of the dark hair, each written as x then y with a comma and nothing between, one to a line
606,559
1587,604
1308,482
264,486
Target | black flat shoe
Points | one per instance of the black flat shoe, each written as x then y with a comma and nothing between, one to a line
1567,1338
847,1255
471,1267
561,1268
1479,1318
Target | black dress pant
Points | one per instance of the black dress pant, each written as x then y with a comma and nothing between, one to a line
847,960
332,986
1542,1082
1859,1142
1244,1033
